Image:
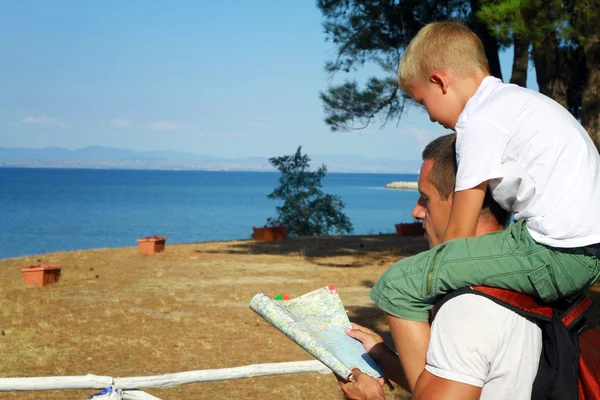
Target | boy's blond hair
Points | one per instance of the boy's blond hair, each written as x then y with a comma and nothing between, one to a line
447,46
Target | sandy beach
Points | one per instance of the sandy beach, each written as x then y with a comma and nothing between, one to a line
117,313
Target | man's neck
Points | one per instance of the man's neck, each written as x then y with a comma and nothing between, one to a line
487,224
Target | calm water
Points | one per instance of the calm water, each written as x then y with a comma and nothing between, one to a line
47,210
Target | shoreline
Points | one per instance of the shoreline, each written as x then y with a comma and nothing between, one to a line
279,243
190,168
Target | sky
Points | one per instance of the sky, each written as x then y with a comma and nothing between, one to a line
226,79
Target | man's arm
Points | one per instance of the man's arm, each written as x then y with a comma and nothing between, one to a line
466,208
431,387
411,339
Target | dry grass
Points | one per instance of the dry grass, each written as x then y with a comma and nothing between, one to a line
117,313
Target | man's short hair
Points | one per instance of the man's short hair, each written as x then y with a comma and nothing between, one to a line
442,151
447,46
443,174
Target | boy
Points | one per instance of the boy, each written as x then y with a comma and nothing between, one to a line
538,163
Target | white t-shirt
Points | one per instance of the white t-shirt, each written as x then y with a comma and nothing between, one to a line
480,343
540,162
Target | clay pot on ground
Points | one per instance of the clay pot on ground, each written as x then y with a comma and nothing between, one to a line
410,229
270,233
41,275
151,245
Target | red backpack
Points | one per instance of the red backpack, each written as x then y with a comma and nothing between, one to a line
569,366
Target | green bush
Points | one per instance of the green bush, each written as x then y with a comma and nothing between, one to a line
306,210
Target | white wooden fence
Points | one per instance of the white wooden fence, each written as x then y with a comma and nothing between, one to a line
131,385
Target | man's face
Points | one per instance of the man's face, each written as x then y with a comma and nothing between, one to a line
437,102
431,209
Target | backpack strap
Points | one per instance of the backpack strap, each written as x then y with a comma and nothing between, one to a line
525,305
575,314
520,303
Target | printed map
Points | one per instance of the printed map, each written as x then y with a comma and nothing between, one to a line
316,322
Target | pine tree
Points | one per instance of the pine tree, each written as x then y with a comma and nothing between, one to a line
306,209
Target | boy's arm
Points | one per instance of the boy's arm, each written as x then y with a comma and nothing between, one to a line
466,208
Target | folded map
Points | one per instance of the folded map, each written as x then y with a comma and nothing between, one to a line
316,322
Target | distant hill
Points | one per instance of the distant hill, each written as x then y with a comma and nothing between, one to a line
108,157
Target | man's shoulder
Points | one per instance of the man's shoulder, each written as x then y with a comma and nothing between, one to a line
473,307
479,316
467,334
481,343
461,323
472,336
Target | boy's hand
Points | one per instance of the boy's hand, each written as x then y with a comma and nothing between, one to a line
363,387
466,208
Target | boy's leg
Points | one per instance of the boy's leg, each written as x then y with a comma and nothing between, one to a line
508,259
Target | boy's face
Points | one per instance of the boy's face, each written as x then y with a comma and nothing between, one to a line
438,101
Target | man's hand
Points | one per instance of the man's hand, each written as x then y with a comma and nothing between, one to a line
364,387
367,337
384,356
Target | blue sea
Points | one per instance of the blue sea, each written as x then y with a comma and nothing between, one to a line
47,210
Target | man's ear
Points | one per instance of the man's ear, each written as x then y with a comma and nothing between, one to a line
440,79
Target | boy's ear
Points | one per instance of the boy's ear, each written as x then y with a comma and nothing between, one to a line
440,79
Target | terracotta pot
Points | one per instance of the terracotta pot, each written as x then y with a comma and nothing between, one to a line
41,275
270,233
279,232
410,229
150,246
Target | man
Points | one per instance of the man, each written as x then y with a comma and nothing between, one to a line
478,349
